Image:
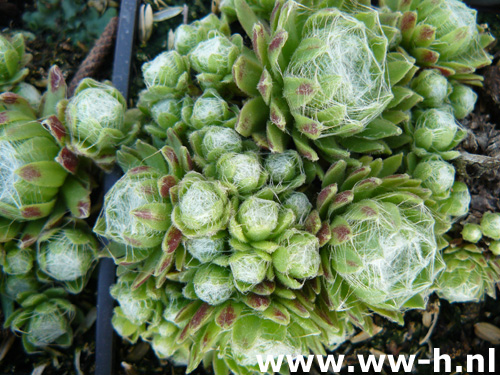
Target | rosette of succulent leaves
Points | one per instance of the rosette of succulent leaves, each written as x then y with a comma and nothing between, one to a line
442,35
13,59
206,247
94,123
38,173
472,271
227,247
58,253
42,248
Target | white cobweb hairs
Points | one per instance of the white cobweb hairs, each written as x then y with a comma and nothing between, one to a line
213,284
458,14
443,125
392,255
9,163
46,327
125,196
303,256
209,109
259,213
249,268
213,52
361,92
135,309
200,206
64,260
300,205
218,137
204,249
247,170
163,70
94,109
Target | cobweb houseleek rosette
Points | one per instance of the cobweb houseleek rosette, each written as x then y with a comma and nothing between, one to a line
30,175
442,35
201,206
136,210
469,274
96,122
67,255
44,320
214,335
188,114
380,240
138,308
37,157
18,243
437,91
432,132
13,59
187,37
297,82
450,197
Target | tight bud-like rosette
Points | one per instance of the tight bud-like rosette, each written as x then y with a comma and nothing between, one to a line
13,58
187,37
469,274
43,319
136,307
435,131
462,99
136,210
168,70
243,172
201,207
286,171
68,255
490,225
212,142
212,59
436,175
96,122
208,109
433,87
443,35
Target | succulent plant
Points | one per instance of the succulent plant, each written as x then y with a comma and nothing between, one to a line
187,37
36,166
67,255
462,99
468,276
301,80
442,35
380,238
44,320
209,109
31,176
96,122
13,58
433,87
490,225
221,253
435,131
227,249
472,232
